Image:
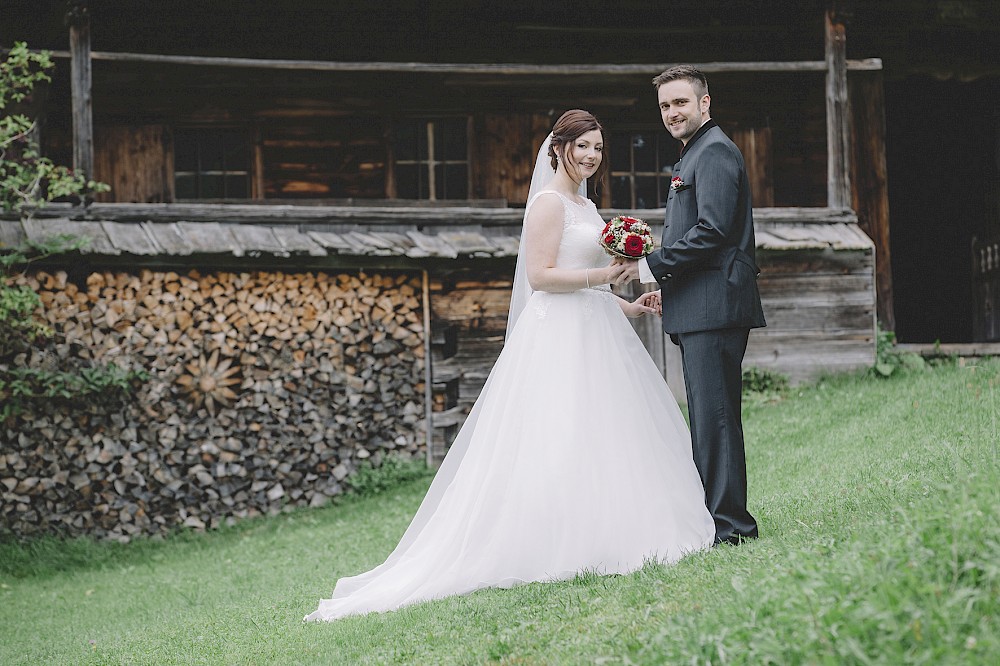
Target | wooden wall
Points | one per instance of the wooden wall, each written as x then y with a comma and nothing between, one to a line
820,310
136,161
503,156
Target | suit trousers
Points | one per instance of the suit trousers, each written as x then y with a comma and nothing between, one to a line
713,377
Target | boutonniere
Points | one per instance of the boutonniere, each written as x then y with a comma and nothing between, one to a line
677,184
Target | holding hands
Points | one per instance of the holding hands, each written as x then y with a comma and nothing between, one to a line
648,303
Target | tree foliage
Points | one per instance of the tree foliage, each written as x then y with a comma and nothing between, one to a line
29,180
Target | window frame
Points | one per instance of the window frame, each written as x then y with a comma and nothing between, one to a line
247,135
427,166
661,177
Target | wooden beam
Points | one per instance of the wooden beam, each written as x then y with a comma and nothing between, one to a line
870,181
80,75
470,68
755,144
837,127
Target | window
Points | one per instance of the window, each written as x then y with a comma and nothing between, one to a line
641,167
211,163
432,159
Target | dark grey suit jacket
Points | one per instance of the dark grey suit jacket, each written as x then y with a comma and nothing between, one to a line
706,263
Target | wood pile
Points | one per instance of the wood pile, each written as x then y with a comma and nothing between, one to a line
267,389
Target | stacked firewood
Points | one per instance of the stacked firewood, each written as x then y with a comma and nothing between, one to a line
266,390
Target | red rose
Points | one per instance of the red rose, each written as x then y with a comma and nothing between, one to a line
609,239
633,245
607,228
626,218
627,225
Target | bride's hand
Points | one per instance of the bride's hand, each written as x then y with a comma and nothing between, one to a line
616,274
648,303
652,300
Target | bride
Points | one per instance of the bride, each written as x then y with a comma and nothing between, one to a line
576,456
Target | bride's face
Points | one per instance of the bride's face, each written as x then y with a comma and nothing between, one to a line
584,155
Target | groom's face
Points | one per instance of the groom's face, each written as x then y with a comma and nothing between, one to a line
682,111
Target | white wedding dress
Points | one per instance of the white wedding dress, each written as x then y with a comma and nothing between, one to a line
575,458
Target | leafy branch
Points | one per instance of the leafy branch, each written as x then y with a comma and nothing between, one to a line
28,180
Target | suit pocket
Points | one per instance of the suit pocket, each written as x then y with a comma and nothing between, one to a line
742,257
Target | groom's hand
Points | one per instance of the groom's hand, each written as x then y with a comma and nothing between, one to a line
631,271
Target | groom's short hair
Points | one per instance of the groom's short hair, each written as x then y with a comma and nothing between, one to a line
688,73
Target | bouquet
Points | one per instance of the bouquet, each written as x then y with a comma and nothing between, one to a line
627,237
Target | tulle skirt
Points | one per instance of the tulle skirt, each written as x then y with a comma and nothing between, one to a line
575,458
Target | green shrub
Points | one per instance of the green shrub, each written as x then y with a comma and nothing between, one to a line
889,359
372,478
762,380
24,387
27,179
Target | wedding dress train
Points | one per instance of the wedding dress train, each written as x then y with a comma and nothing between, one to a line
574,458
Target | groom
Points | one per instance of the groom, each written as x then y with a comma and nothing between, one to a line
708,277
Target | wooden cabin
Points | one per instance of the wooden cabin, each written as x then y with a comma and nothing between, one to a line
305,101
315,137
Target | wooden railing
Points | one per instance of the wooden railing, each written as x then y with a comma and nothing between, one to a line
986,291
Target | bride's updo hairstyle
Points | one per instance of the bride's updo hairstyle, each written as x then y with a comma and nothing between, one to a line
570,127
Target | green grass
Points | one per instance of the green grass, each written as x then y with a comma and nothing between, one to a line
879,503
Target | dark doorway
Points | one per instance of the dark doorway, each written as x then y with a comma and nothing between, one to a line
941,151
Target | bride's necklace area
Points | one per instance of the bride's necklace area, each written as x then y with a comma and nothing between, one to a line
571,193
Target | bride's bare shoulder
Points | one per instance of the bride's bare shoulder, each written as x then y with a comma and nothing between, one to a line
547,204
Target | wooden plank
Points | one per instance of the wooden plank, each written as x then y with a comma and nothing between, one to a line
958,349
870,191
469,68
168,236
449,417
367,216
136,161
331,241
805,359
256,238
778,236
430,246
370,244
295,242
381,215
801,290
400,242
500,169
12,233
208,238
507,246
131,238
821,318
97,240
469,243
801,215
755,144
837,128
81,90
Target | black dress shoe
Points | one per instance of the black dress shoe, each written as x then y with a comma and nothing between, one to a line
733,539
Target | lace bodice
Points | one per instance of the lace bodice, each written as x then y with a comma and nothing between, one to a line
581,225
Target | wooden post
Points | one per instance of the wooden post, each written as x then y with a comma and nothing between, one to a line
837,127
389,138
258,186
428,372
870,181
755,144
78,19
